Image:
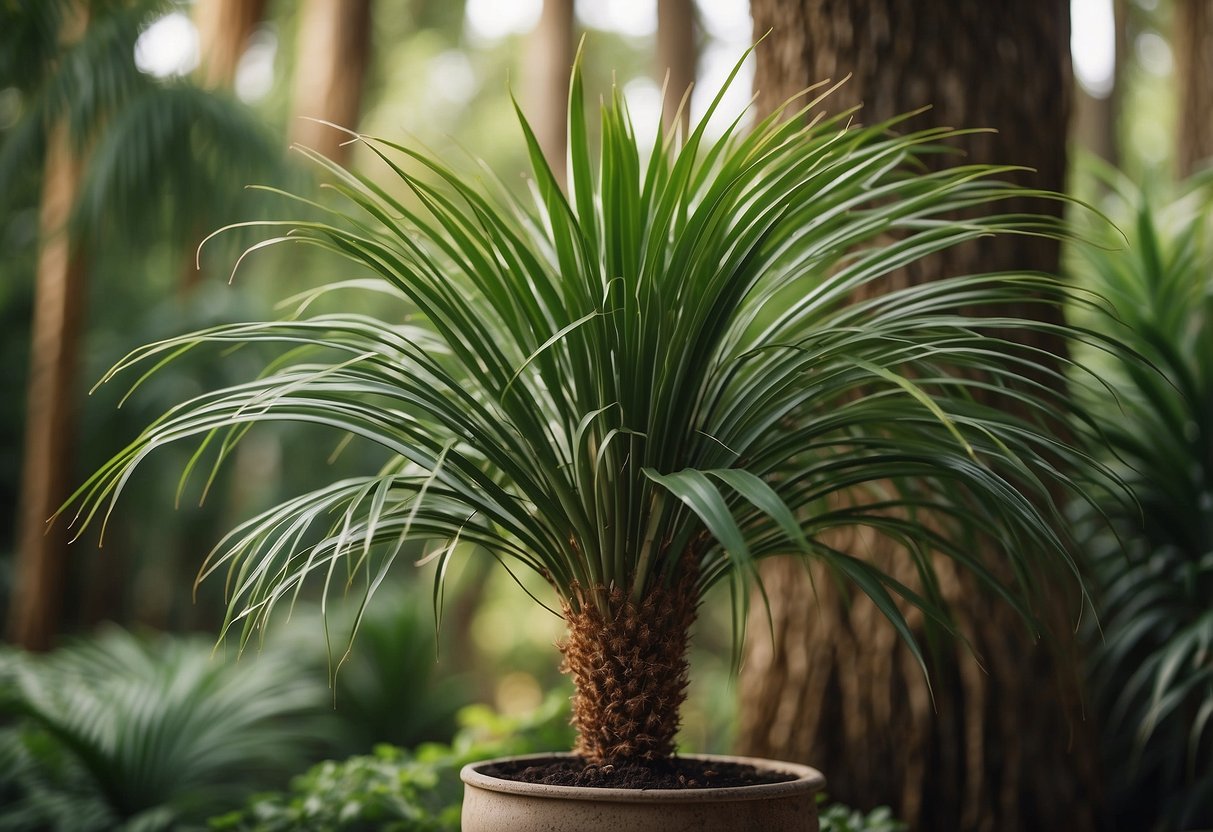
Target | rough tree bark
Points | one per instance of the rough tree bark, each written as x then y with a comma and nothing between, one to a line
549,64
1193,39
1004,745
676,55
334,44
60,289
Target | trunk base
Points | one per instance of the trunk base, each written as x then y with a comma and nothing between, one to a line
629,669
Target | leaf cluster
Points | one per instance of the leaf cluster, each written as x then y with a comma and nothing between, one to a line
166,156
121,732
839,818
1153,565
662,374
398,790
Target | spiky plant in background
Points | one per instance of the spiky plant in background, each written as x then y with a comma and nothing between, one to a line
1153,650
641,390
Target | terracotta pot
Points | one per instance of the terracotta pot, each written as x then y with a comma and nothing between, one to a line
491,804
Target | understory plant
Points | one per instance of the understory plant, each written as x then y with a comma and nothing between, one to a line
642,388
395,789
121,732
388,689
1152,655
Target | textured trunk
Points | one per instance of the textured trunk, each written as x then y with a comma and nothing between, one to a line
629,669
549,64
1004,745
333,50
1193,38
50,427
224,28
676,56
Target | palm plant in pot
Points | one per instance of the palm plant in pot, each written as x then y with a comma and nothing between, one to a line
640,390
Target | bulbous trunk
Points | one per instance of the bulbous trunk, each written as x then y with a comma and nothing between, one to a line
629,669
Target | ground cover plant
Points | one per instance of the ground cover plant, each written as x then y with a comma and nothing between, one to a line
396,789
640,390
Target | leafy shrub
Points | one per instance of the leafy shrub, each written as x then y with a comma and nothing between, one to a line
1153,564
388,790
118,732
400,791
839,818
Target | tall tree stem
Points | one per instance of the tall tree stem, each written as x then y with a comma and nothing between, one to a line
50,428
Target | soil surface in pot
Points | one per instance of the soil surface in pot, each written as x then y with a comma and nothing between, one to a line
676,773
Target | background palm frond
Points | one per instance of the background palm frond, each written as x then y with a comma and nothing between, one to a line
1153,567
123,732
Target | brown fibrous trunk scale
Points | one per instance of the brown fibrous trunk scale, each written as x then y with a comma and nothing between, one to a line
629,669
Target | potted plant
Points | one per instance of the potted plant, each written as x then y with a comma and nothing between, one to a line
640,390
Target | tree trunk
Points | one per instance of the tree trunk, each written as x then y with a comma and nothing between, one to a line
629,670
1193,39
1096,118
60,289
224,28
1095,124
1003,745
676,55
549,64
330,66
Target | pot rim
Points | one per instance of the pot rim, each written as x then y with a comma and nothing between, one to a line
808,780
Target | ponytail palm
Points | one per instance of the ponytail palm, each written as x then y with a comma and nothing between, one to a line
641,389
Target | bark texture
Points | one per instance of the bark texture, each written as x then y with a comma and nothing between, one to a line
333,51
1004,745
50,426
676,59
1193,39
629,670
548,67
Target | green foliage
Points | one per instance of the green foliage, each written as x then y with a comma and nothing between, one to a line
397,790
119,732
386,688
661,377
839,818
164,159
1153,564
389,790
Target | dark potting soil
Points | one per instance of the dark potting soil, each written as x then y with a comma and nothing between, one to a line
677,773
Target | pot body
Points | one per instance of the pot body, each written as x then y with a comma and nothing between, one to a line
491,804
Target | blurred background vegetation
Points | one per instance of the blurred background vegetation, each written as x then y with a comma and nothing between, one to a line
129,130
